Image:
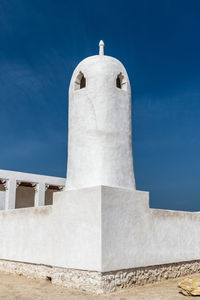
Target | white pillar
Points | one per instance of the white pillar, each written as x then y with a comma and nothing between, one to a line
39,194
10,194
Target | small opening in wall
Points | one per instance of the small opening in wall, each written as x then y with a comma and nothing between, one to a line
50,190
49,278
80,82
83,82
25,195
120,82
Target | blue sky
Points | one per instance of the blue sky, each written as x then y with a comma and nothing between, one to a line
159,44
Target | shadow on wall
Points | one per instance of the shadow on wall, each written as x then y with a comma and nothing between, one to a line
49,195
25,196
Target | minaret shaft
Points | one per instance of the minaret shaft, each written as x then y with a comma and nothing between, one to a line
100,137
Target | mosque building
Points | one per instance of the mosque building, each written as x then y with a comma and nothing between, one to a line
94,230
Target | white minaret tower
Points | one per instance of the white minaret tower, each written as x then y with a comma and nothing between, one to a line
100,209
99,136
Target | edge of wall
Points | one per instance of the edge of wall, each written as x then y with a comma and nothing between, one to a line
101,282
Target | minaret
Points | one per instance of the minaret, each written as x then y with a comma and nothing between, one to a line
99,132
100,215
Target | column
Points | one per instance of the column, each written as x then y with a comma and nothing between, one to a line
10,194
40,189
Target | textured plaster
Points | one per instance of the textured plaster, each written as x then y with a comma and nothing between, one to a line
99,137
99,229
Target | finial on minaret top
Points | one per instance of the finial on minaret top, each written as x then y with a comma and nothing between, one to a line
101,48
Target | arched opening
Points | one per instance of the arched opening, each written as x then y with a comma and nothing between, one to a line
80,82
120,82
83,82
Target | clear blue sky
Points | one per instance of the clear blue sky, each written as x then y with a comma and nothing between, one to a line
41,42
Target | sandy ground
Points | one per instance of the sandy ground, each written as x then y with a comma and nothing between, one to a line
14,287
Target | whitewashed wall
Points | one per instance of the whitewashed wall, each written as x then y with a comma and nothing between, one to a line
99,228
55,235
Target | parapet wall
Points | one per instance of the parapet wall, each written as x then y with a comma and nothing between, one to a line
55,235
24,234
106,230
136,236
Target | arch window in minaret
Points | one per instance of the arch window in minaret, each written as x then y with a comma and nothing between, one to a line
80,82
120,82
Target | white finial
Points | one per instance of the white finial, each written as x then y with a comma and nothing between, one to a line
101,48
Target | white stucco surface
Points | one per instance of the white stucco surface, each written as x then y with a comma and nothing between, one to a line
99,228
135,235
99,131
66,234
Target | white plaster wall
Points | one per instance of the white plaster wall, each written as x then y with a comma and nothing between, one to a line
66,234
99,228
77,229
100,137
24,235
134,235
28,177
